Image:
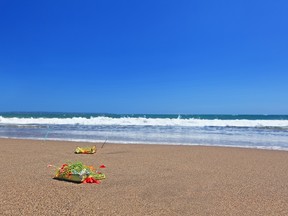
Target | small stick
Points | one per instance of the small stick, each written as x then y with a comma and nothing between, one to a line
103,144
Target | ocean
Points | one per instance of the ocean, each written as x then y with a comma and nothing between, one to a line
249,131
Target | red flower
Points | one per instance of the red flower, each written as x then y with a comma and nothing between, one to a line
91,180
88,180
64,165
102,166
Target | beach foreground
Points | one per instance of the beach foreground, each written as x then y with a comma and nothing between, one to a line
144,180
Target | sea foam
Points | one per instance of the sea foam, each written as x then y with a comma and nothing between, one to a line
141,121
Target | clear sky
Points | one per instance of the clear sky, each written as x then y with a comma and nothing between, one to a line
196,57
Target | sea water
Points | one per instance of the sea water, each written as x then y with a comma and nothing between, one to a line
251,131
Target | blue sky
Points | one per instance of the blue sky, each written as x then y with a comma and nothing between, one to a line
196,57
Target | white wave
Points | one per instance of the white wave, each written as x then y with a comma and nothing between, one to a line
127,121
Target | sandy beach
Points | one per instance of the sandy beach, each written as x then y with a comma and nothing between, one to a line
144,180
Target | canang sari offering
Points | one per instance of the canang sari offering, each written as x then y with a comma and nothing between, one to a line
85,150
79,173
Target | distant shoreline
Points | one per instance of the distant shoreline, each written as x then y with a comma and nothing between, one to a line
138,143
255,131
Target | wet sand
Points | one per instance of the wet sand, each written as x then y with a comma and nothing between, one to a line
144,180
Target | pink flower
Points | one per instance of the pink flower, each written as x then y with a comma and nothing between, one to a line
49,165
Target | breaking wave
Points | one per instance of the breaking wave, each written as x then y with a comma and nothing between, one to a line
142,121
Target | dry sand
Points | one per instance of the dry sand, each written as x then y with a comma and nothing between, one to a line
144,180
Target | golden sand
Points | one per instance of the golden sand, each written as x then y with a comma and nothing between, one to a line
144,180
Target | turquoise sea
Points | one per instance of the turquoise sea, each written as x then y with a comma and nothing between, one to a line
251,131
